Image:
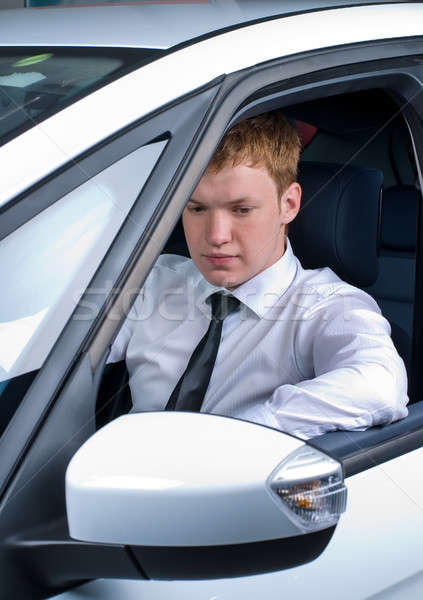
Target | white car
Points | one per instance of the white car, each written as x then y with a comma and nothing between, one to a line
108,117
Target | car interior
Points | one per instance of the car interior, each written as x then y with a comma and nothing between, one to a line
344,137
359,211
359,217
367,129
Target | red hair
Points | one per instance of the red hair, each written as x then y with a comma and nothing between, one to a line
266,140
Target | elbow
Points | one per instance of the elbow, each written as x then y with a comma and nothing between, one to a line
392,389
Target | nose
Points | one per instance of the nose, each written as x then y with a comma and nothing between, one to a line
218,228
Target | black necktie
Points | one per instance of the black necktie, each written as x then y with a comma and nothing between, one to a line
192,386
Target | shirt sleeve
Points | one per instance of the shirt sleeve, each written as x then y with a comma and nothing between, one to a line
359,378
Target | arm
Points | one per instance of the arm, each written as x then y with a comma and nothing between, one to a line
359,381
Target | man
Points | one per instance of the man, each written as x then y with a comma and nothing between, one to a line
301,351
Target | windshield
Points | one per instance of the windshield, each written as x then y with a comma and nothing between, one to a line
37,82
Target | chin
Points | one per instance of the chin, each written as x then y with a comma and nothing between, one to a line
222,280
228,283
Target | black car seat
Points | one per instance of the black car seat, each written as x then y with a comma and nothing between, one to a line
338,226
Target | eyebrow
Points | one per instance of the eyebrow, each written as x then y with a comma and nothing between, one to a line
238,201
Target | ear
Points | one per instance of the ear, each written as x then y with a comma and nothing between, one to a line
290,202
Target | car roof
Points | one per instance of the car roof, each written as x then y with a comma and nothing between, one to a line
154,24
46,148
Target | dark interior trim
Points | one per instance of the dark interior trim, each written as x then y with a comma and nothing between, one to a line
361,450
397,446
414,118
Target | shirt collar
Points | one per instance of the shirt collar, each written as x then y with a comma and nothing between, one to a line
261,292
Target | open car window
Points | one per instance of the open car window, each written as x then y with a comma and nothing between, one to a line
366,129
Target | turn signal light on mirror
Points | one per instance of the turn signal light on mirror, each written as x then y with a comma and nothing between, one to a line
311,487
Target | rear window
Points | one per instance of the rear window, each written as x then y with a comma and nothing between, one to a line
37,82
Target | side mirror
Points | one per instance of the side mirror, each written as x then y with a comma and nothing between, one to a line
202,496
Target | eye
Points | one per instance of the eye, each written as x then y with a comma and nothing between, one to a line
195,208
242,210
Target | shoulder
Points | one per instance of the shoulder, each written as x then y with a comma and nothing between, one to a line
323,288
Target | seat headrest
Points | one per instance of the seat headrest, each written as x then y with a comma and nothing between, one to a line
337,225
399,218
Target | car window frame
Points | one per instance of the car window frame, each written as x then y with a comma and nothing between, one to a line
394,71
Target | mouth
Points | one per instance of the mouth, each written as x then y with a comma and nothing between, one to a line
219,259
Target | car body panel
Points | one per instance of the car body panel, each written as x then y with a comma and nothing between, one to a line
57,140
382,552
140,25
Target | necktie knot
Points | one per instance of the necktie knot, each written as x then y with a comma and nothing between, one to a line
222,305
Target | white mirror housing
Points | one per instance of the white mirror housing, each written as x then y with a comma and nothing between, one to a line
170,479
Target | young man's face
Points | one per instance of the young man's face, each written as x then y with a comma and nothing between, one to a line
234,223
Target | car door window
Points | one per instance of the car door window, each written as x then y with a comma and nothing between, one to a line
47,263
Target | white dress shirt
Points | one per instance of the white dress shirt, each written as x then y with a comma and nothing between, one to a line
306,353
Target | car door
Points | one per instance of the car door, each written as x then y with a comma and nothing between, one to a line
375,548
